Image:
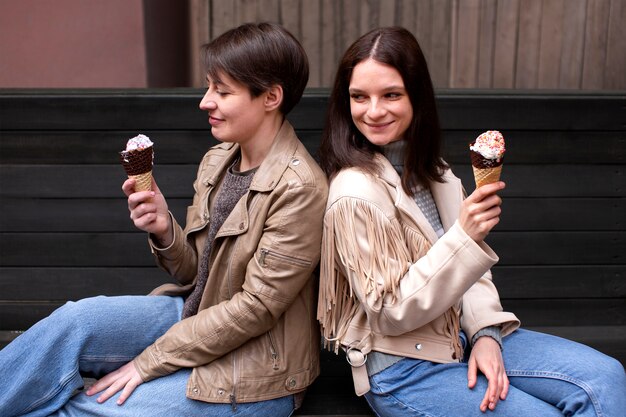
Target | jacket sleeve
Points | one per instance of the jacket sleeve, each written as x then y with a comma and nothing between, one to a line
180,258
397,293
482,308
274,278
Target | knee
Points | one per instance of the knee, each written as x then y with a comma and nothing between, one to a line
75,313
613,371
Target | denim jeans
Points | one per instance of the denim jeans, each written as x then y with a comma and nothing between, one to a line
549,376
41,371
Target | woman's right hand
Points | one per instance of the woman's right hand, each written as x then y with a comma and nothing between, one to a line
149,211
480,211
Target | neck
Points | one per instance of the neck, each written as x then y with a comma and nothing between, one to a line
254,151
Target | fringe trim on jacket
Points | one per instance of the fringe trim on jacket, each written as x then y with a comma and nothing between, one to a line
394,248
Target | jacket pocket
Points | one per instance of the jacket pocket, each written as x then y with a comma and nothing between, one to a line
273,351
272,259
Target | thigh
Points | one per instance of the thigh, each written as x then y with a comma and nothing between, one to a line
421,388
571,375
166,397
114,330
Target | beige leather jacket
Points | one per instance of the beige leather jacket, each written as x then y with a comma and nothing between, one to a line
388,284
255,336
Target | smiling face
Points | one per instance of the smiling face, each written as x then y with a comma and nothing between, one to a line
234,115
379,103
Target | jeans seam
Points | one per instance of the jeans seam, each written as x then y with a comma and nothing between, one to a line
396,400
51,394
563,377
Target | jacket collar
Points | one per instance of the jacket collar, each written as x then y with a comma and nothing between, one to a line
447,195
265,179
280,155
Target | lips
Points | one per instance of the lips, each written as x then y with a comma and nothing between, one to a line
377,127
214,121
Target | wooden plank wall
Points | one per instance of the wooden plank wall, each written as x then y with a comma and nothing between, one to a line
520,44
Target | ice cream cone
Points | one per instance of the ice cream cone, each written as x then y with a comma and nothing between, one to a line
487,153
137,162
484,176
143,182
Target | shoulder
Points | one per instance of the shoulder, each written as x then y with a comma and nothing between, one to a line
304,169
357,185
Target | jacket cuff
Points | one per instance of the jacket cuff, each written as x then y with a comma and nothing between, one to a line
490,331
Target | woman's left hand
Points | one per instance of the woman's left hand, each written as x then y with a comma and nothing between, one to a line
126,378
487,357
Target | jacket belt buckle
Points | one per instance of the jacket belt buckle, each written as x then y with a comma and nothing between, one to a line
354,356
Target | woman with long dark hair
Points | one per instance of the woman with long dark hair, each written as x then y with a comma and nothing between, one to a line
405,284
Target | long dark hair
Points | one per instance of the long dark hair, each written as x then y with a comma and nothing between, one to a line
344,146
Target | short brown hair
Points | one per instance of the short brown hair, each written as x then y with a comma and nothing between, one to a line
260,55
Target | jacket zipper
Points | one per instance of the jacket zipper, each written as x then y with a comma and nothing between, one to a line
233,396
273,352
265,252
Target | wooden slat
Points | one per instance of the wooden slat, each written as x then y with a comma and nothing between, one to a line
595,46
545,147
439,59
349,25
200,33
560,281
104,181
606,339
329,55
311,35
579,312
111,214
559,248
75,283
178,110
551,43
520,282
423,31
267,11
527,59
506,44
291,17
615,75
464,71
100,147
486,43
106,249
187,147
87,215
100,181
573,44
62,181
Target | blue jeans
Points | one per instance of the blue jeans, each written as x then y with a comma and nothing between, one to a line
41,372
549,376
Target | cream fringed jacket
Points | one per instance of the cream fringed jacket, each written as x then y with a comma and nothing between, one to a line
388,284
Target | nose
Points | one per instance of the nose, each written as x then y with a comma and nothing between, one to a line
207,102
375,109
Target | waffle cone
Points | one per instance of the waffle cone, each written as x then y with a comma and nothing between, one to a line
484,176
143,182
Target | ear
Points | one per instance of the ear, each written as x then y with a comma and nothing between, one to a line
274,97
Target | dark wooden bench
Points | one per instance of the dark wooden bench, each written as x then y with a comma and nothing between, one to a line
65,232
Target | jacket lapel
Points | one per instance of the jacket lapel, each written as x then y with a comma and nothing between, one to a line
448,197
265,179
406,204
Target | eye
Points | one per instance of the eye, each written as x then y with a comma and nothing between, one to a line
393,95
359,98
